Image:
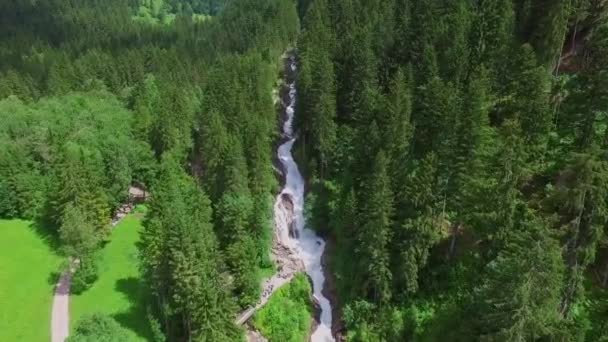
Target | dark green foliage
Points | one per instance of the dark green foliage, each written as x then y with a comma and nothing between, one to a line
317,73
7,208
93,94
527,99
581,199
234,212
266,26
435,107
396,120
485,218
374,233
98,327
181,261
579,118
146,100
446,149
547,28
492,33
85,275
418,227
517,300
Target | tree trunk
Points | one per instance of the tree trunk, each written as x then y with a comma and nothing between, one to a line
160,303
188,326
455,231
573,46
583,222
570,48
605,279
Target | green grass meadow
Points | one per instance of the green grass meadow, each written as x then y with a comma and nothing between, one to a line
118,292
29,268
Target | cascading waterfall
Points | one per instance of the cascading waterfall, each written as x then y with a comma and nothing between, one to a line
291,230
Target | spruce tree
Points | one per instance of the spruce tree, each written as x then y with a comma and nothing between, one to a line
581,200
527,99
418,224
212,144
316,83
395,121
374,233
518,299
472,133
324,113
145,104
182,263
581,114
234,215
549,27
491,34
77,233
402,31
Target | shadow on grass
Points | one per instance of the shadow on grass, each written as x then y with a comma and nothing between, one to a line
46,233
136,318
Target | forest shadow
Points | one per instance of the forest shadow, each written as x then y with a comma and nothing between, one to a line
46,233
136,318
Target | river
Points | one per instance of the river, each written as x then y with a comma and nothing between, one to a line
290,223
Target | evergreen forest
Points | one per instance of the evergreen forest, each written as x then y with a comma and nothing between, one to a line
457,157
454,153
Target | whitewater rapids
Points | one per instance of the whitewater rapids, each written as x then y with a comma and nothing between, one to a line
290,225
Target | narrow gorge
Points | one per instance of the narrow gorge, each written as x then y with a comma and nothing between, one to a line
297,241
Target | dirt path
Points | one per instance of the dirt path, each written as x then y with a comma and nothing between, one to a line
60,317
255,336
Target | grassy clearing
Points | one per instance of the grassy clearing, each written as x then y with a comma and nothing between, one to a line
28,271
118,292
287,316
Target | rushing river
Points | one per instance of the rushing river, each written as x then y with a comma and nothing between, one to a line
291,224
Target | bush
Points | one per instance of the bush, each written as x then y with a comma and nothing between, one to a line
98,328
7,207
85,275
286,317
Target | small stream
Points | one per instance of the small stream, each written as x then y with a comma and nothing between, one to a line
290,224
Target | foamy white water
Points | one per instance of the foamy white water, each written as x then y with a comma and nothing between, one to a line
305,244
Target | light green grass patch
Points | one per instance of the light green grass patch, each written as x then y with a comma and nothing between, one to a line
118,292
287,316
28,272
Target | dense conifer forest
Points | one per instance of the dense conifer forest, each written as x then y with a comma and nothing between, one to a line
457,156
455,153
94,99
